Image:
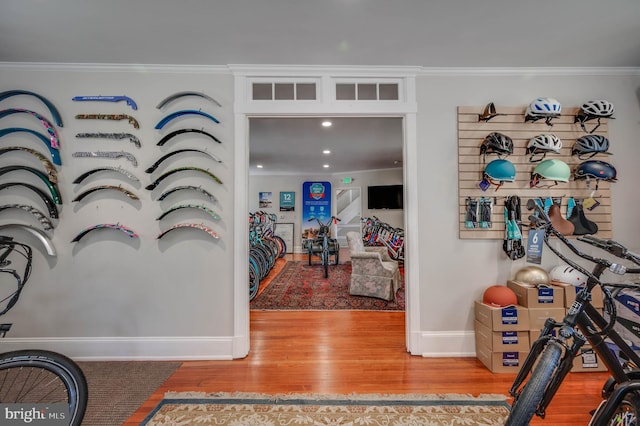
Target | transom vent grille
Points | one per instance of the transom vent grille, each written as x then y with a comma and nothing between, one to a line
283,91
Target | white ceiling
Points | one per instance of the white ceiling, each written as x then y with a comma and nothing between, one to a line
427,33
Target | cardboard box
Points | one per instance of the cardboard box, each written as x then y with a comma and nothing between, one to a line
570,291
500,362
537,297
538,316
588,361
502,319
501,341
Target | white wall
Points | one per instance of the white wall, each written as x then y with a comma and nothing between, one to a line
278,183
107,295
455,272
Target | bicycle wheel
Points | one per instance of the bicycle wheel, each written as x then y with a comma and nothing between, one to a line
525,406
325,263
626,413
43,377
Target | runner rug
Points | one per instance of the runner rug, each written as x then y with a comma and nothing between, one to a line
302,287
328,410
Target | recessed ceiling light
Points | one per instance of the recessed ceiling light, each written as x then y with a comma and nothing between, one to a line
259,166
326,151
326,166
326,123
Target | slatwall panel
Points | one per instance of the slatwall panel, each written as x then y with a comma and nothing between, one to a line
471,133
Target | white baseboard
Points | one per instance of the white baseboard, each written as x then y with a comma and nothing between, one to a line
130,348
435,344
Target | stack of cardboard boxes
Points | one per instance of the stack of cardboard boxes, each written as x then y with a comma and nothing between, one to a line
504,335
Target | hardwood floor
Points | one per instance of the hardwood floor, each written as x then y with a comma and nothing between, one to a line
346,352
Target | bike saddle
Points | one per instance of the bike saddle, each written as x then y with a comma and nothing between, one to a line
558,221
582,225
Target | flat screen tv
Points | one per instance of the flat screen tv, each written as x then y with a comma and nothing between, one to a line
385,197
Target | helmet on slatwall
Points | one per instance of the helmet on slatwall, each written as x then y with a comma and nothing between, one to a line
532,275
500,296
594,110
568,275
501,171
595,169
590,144
496,143
556,170
542,144
546,108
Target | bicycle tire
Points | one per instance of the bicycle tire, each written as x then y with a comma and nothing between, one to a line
527,403
624,415
39,376
325,263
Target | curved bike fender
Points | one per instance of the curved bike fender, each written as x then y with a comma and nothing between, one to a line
55,155
130,102
201,227
180,113
166,138
116,226
89,191
118,169
187,187
51,207
46,223
40,235
166,101
55,193
52,174
52,109
53,133
172,153
180,169
189,206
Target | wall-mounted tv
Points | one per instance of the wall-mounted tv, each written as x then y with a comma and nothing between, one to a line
385,197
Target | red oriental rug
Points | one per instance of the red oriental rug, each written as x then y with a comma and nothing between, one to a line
302,287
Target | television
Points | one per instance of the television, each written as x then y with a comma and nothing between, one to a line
385,197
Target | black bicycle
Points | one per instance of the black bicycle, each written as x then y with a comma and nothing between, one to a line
323,245
551,356
34,376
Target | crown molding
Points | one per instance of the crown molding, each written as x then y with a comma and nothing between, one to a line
97,67
542,71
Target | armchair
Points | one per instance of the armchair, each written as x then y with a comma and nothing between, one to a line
373,272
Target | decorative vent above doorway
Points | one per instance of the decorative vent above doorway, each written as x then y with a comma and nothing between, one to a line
283,91
367,91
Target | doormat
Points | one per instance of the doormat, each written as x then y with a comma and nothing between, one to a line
328,410
300,286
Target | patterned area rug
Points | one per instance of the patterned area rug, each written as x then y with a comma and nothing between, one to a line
328,410
303,287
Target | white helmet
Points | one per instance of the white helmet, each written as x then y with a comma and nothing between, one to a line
543,108
598,108
567,274
542,144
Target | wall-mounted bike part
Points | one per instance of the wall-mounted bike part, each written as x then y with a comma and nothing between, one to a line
170,154
55,154
189,206
101,98
166,138
132,138
107,154
44,221
115,117
166,101
39,234
182,169
52,109
181,113
189,188
51,206
90,191
52,174
53,189
53,133
117,169
115,226
201,227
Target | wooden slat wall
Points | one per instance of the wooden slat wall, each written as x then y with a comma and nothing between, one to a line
471,133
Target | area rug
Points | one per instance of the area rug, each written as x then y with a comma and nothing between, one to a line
118,388
328,410
300,286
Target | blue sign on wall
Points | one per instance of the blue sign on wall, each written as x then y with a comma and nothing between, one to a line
316,202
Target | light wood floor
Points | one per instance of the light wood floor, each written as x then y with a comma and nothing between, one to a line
356,352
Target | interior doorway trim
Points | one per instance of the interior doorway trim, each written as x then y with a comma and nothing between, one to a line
325,105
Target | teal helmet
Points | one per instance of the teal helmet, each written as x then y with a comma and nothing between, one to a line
556,170
500,170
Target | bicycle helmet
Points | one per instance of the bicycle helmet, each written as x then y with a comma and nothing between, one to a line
590,144
488,113
500,170
556,170
496,143
532,275
542,144
594,109
499,296
595,169
568,275
546,108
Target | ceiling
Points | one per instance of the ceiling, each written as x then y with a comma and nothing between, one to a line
433,33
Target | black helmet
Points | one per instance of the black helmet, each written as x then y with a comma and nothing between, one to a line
496,143
595,169
590,144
